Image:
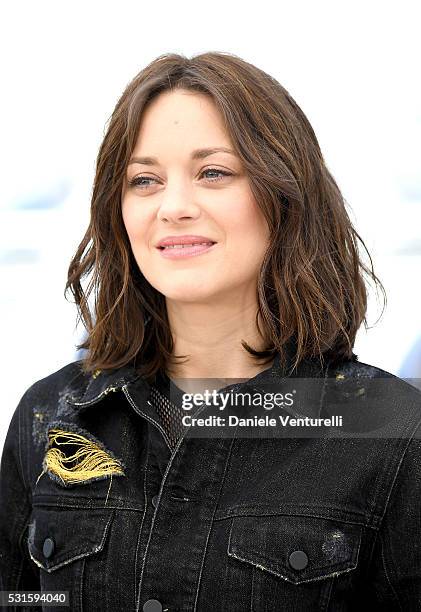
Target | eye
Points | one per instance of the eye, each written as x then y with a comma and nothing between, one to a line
217,171
137,181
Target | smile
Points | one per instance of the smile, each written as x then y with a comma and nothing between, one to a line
178,251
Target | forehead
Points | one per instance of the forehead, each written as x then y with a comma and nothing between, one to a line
176,116
180,103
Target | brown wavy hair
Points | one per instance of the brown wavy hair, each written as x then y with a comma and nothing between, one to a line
311,286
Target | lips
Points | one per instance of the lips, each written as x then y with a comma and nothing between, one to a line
184,246
180,242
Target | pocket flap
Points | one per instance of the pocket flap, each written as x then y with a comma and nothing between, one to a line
295,548
57,536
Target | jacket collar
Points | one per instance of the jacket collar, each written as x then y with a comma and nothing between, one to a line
100,383
103,382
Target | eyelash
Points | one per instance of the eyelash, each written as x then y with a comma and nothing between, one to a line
135,181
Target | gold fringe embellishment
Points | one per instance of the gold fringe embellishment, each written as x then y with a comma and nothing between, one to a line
91,461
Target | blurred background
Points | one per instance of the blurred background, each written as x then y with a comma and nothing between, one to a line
352,69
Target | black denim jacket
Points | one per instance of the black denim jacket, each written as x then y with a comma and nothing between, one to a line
219,524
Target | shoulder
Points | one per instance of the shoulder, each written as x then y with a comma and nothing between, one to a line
70,377
54,394
46,398
52,399
40,402
373,397
358,371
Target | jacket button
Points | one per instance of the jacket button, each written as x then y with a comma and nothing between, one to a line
48,547
154,504
152,605
298,559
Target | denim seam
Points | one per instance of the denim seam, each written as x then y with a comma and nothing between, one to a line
162,430
323,393
327,594
316,579
147,417
70,399
386,573
385,477
26,487
398,467
248,512
82,573
253,578
22,543
25,482
385,512
272,560
233,552
79,556
227,461
117,385
164,478
139,538
85,507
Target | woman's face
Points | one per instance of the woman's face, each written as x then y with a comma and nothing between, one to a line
178,193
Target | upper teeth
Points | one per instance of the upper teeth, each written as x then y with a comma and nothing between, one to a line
178,246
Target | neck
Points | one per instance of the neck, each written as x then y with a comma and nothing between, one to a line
211,338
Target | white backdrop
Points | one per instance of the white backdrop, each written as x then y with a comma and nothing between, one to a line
353,69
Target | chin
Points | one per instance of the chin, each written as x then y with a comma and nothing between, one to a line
185,287
183,294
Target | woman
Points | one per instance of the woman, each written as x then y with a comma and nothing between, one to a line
219,247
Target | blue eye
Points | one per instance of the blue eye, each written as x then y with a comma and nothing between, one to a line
137,181
220,172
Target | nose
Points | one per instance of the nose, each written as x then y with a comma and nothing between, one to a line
177,204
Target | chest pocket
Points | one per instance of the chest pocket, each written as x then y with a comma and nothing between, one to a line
62,542
294,559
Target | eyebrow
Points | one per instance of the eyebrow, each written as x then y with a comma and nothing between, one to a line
196,154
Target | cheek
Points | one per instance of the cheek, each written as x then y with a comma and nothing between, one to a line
128,217
135,224
247,235
245,222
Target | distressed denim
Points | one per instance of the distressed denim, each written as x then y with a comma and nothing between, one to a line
228,524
